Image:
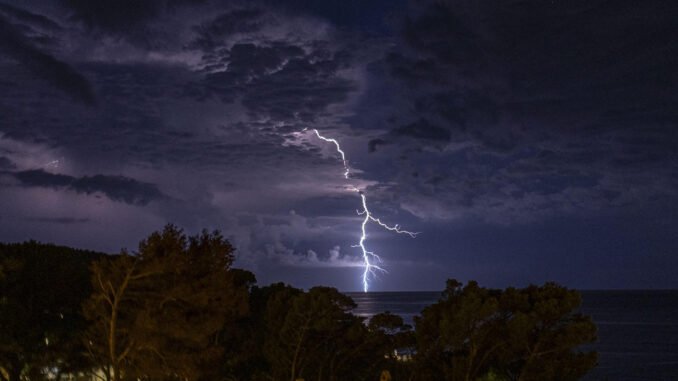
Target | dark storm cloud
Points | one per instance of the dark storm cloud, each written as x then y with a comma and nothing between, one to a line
302,90
116,188
242,66
374,143
216,109
281,81
15,45
117,15
6,163
575,65
211,34
362,14
273,84
553,106
29,18
325,206
422,129
130,20
60,220
476,116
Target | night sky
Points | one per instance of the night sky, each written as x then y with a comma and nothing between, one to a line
528,141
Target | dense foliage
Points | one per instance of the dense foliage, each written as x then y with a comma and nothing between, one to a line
160,314
513,334
177,310
42,288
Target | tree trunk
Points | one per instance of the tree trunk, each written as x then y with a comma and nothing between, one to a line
528,362
14,372
298,348
471,357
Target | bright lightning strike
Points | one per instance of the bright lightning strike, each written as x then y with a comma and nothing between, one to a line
369,258
336,143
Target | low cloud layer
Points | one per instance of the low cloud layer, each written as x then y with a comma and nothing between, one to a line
116,188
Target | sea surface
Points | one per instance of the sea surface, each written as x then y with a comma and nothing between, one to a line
637,329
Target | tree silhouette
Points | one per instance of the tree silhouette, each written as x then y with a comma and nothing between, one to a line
160,314
512,334
542,333
396,343
312,335
41,289
176,310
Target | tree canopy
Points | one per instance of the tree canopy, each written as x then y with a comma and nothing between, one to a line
159,314
41,289
514,334
177,310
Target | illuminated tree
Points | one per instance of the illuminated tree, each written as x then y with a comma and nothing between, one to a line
543,332
457,336
112,310
245,359
513,334
312,335
160,314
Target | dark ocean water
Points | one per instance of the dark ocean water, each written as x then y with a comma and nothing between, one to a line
637,330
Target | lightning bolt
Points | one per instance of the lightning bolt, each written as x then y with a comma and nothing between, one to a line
369,258
336,143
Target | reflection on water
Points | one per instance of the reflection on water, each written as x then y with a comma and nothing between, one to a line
403,304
